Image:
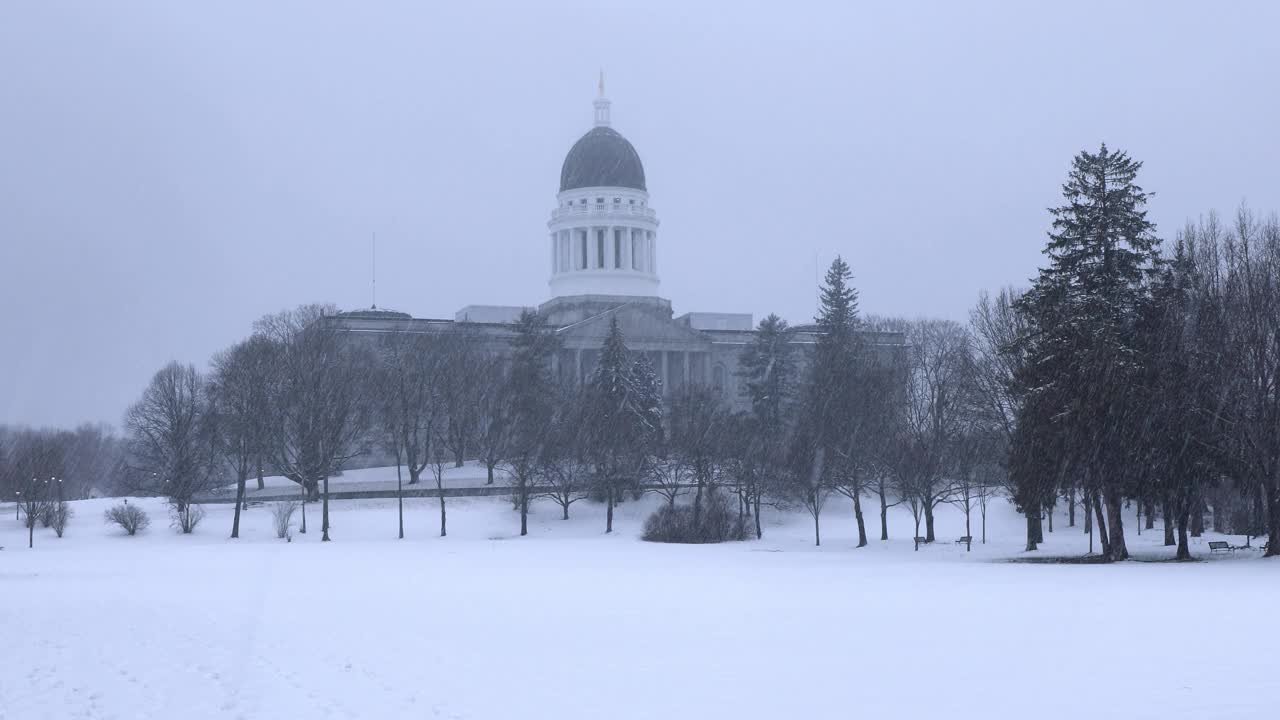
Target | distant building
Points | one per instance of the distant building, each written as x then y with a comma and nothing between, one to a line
603,251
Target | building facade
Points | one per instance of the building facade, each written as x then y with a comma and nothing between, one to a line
603,250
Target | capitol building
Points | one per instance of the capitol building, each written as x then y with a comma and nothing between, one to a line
603,263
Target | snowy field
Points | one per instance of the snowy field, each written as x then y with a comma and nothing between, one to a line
571,623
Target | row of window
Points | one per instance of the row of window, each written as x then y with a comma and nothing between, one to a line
600,201
627,249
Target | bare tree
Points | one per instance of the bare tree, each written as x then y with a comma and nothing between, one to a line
324,406
38,462
173,440
242,389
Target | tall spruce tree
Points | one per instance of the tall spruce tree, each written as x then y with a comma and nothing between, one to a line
624,400
832,415
1081,366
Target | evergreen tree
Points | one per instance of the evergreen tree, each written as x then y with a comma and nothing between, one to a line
1080,365
832,414
624,417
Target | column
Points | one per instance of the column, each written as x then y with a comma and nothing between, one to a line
687,378
666,376
653,253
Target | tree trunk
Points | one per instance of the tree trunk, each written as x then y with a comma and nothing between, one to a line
1150,509
756,512
235,519
489,469
697,507
608,513
1184,550
817,533
1039,526
862,526
1088,515
928,522
1167,511
1101,522
1033,536
564,511
524,512
1071,506
324,513
1273,519
1050,515
443,528
1197,515
415,472
1116,549
884,516
31,530
967,532
400,495
261,485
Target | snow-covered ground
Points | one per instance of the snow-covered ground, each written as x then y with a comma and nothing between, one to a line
571,623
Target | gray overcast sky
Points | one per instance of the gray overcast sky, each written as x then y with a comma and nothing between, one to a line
170,172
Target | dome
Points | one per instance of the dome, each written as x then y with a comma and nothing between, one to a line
602,158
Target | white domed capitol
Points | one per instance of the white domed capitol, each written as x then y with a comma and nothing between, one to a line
602,248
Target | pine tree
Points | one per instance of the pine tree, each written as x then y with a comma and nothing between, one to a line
1081,365
831,408
624,417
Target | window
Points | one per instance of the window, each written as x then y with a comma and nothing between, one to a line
600,201
600,248
617,201
631,202
582,261
583,201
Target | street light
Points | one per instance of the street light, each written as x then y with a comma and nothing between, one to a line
17,503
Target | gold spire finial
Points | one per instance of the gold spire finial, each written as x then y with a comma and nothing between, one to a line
602,83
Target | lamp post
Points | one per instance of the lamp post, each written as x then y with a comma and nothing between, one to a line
59,489
17,502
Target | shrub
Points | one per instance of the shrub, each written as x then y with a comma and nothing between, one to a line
717,523
129,517
59,516
46,514
187,517
282,513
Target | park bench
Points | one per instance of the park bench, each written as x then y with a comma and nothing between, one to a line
966,540
922,541
1220,546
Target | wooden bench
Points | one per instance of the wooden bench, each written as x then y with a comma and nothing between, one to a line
1220,546
966,540
922,541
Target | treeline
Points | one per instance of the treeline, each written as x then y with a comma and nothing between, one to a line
1146,376
1130,375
